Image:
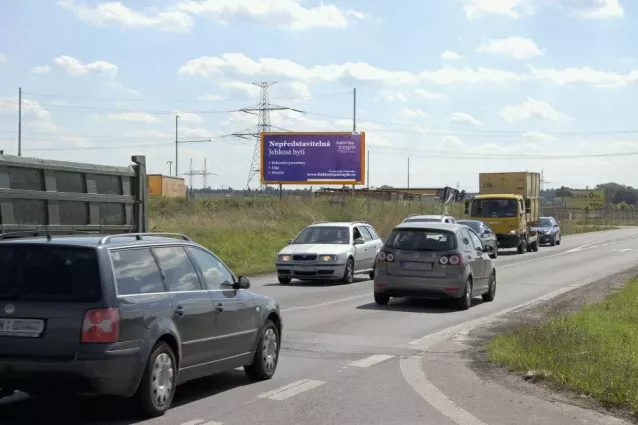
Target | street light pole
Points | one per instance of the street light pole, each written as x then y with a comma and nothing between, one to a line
170,167
176,146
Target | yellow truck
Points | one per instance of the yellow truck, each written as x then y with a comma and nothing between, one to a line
510,204
172,187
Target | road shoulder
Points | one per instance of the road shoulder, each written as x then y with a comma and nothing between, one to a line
476,358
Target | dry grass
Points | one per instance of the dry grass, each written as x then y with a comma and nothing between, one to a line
248,233
593,352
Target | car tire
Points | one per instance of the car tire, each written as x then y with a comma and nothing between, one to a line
491,293
522,247
535,246
157,389
465,302
381,299
284,280
553,241
348,273
558,240
266,356
494,254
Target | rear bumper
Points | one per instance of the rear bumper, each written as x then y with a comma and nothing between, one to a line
114,373
310,271
508,241
413,287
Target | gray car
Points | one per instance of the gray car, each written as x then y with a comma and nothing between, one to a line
330,250
436,261
431,218
130,315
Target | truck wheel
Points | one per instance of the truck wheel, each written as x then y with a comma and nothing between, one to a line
522,247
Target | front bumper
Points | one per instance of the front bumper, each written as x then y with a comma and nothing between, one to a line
310,270
508,240
543,238
112,374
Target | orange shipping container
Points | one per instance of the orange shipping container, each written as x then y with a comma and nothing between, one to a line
168,186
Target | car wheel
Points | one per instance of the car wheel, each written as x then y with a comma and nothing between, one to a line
491,293
284,280
522,247
381,299
535,246
553,241
157,388
558,240
348,274
266,357
465,302
494,253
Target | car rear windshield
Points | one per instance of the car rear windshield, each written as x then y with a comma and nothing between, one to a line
474,225
421,240
48,273
324,235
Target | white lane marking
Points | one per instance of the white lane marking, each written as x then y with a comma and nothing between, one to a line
410,366
280,389
593,246
308,307
212,423
194,422
414,375
624,250
283,394
372,360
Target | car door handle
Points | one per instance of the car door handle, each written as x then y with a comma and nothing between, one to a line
219,307
179,311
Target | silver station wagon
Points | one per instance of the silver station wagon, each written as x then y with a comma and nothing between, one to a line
434,260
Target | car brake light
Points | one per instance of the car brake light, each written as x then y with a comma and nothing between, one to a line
381,256
453,260
390,257
101,326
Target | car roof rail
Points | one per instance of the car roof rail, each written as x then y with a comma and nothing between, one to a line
138,236
320,222
44,232
359,221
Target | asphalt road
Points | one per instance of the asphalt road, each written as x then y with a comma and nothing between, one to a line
346,360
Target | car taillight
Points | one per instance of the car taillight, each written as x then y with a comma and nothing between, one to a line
453,260
389,257
382,256
101,326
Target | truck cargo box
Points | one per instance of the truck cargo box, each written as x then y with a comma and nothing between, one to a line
526,184
168,186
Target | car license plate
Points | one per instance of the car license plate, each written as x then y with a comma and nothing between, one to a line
21,327
413,265
305,268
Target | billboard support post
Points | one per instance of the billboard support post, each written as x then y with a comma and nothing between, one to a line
354,119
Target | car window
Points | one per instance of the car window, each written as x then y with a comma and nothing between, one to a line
476,241
178,269
356,234
421,240
48,273
215,273
373,232
136,272
364,232
466,240
324,235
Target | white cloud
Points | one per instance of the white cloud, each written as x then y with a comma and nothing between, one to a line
114,13
195,133
449,55
285,14
538,136
135,116
394,96
452,142
239,63
594,9
210,97
413,113
9,106
461,117
75,67
585,76
532,109
426,94
514,47
249,89
188,117
475,9
3,58
40,69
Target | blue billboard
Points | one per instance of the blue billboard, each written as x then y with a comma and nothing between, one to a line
313,158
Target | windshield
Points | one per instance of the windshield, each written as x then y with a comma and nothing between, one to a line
474,225
421,240
324,235
546,222
494,208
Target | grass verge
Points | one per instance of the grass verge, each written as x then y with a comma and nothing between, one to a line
592,352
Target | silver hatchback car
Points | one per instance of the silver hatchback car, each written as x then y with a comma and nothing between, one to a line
436,261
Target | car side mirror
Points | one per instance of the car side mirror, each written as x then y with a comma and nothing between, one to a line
528,210
242,283
485,248
290,241
486,232
359,241
555,225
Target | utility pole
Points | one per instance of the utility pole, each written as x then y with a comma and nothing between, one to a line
170,167
181,142
354,121
19,121
204,173
262,110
